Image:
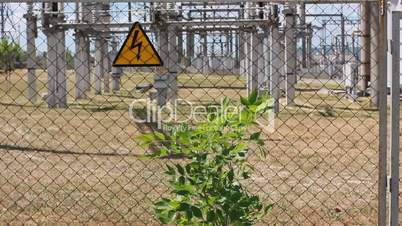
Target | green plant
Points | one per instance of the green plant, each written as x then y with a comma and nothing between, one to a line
11,54
206,189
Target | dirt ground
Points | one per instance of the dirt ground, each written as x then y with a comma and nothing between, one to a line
80,164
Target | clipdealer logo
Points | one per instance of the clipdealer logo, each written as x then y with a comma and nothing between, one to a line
181,111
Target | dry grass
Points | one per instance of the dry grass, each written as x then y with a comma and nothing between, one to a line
321,166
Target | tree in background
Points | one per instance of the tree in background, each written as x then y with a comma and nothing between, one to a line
11,55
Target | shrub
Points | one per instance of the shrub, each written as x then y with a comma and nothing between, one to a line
206,189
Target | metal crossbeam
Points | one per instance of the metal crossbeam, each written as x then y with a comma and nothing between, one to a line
100,26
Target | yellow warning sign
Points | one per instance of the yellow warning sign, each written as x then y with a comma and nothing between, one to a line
137,50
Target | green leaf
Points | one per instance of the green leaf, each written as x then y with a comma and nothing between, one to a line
182,180
159,135
170,171
211,216
225,102
244,101
260,142
161,153
166,217
253,96
146,157
188,168
145,139
255,136
180,169
164,204
264,105
268,208
263,154
196,211
245,175
184,206
149,137
231,175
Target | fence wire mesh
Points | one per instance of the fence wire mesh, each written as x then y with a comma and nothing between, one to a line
68,117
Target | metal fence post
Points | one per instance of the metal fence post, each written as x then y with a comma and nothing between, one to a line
395,111
382,103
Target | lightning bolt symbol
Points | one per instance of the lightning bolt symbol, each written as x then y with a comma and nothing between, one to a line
136,45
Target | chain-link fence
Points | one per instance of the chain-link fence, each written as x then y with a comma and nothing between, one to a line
68,117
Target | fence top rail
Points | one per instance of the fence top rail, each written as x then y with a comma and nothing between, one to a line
223,2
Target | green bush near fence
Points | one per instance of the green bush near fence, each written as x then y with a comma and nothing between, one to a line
207,188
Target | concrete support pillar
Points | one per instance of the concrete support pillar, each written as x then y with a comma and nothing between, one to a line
80,65
107,66
99,55
262,77
190,48
254,64
213,37
101,52
290,54
166,80
238,48
243,37
309,44
81,57
99,64
62,66
247,54
56,57
302,22
51,70
116,71
374,45
204,40
106,59
251,66
173,63
87,63
343,41
31,33
204,53
222,45
275,60
240,44
229,44
180,48
160,79
365,46
87,17
267,59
